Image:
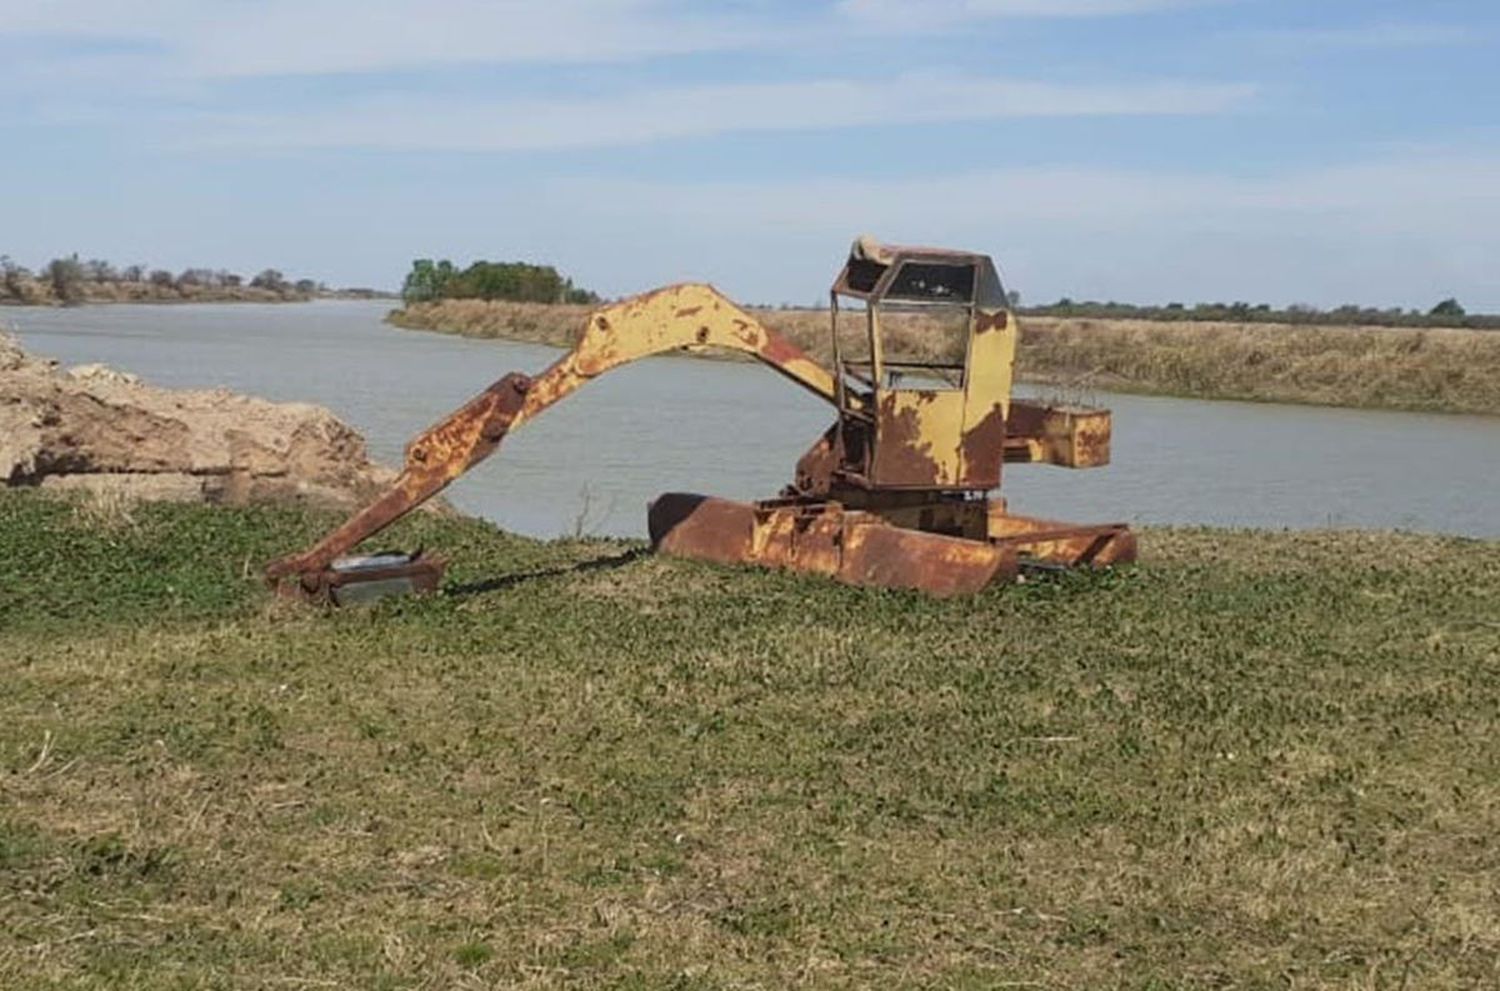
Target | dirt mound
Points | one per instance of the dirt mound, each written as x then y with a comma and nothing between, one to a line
93,428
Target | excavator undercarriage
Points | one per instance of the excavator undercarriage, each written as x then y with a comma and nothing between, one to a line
896,493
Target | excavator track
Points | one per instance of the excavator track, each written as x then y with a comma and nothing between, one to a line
861,548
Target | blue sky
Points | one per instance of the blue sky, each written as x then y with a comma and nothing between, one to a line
1145,150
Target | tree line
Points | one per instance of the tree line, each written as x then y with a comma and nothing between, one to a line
521,282
1447,313
74,280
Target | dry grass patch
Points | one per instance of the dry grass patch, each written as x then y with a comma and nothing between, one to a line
1454,371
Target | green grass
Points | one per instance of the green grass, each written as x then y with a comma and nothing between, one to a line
1254,761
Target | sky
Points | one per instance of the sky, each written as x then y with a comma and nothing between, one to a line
1279,151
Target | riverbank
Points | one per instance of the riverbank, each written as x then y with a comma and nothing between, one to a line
41,294
1434,370
107,435
1245,762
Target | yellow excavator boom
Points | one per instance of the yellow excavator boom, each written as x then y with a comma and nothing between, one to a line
682,317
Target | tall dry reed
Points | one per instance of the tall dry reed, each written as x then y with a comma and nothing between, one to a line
1373,367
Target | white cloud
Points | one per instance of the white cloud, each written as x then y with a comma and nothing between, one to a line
650,115
312,36
91,18
1402,231
1363,37
203,38
289,37
936,14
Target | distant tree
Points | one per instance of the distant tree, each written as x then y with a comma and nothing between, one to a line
489,280
1014,299
162,278
1448,309
207,278
67,277
306,286
13,278
587,297
99,270
427,280
133,273
231,280
518,281
269,279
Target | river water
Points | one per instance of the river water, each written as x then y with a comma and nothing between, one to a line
592,463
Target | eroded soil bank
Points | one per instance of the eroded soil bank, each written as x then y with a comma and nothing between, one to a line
95,429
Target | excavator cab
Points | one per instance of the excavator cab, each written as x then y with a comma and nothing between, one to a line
924,383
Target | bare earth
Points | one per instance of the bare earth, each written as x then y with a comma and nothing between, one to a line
105,432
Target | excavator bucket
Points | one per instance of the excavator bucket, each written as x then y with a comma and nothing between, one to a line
367,578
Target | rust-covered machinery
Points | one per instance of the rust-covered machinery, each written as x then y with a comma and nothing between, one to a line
895,493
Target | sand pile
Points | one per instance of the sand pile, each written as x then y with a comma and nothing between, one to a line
96,429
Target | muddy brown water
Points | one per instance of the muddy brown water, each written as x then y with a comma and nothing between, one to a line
592,462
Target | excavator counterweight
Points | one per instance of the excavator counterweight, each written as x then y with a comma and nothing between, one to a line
896,493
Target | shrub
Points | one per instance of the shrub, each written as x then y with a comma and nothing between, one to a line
269,279
67,277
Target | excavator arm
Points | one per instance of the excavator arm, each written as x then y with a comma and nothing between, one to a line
682,317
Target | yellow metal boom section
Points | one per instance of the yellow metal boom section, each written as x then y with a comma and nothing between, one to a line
682,317
690,317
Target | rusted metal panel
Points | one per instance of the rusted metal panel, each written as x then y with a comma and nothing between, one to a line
814,475
1068,436
865,548
1067,545
1090,432
992,352
981,450
799,536
916,439
706,529
951,517
893,557
858,548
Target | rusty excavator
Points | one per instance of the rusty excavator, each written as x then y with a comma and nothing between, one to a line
896,493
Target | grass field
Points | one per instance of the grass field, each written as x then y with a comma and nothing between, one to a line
1450,371
1254,761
